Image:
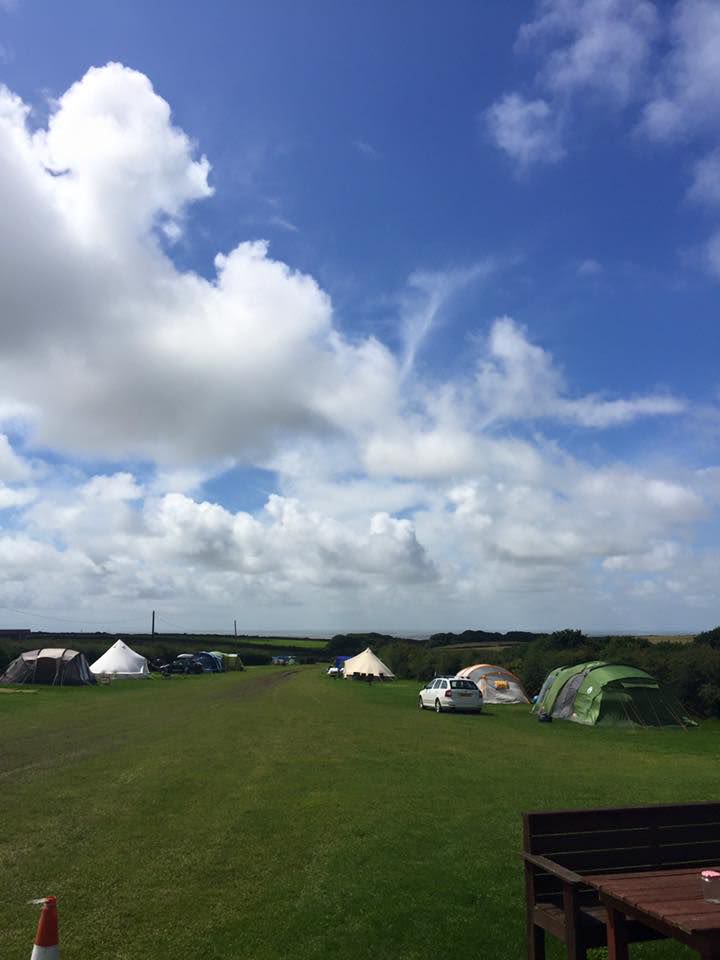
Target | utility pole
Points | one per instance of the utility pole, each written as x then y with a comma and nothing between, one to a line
235,622
153,623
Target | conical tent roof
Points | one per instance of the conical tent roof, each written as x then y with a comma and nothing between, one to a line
496,684
367,663
121,663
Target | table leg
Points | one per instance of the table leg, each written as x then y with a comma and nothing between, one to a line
616,935
536,942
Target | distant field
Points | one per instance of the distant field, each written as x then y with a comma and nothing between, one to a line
653,638
284,642
481,646
276,814
674,638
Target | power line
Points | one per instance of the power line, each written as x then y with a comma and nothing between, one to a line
95,623
42,616
164,619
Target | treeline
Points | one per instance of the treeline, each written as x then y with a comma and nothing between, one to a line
482,637
350,644
164,647
692,669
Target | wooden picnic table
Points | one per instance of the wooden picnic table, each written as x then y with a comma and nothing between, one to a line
669,901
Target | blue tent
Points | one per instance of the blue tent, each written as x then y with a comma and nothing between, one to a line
208,661
220,657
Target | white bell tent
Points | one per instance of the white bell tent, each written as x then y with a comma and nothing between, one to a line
121,663
367,664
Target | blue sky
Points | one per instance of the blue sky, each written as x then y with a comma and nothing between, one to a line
457,364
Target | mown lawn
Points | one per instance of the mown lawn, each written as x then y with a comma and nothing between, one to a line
265,815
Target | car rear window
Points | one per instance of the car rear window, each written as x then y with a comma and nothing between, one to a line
462,685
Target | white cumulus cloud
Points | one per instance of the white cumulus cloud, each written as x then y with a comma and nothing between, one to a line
528,131
393,499
108,347
519,380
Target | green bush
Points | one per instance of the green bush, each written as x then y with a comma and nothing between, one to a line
710,638
709,696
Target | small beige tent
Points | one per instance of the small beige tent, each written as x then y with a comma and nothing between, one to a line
366,664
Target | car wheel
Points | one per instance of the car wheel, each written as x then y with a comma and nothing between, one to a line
421,705
438,708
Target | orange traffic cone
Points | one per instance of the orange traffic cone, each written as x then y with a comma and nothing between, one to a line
47,946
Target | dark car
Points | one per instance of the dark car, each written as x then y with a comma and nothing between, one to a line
158,664
185,663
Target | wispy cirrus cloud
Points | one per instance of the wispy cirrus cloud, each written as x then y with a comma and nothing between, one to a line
283,224
684,99
620,54
590,268
597,48
362,146
426,296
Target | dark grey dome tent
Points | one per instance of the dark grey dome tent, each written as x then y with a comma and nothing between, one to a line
52,666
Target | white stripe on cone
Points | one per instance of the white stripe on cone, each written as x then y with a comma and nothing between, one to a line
45,953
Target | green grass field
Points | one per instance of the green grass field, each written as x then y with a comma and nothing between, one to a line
279,814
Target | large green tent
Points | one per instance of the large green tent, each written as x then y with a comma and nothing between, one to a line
599,692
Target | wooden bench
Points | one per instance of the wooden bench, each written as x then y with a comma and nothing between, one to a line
560,846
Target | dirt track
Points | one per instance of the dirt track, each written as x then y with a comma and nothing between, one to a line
255,685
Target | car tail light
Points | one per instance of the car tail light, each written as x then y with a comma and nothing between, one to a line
448,693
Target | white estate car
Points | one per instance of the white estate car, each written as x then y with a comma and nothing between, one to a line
450,693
